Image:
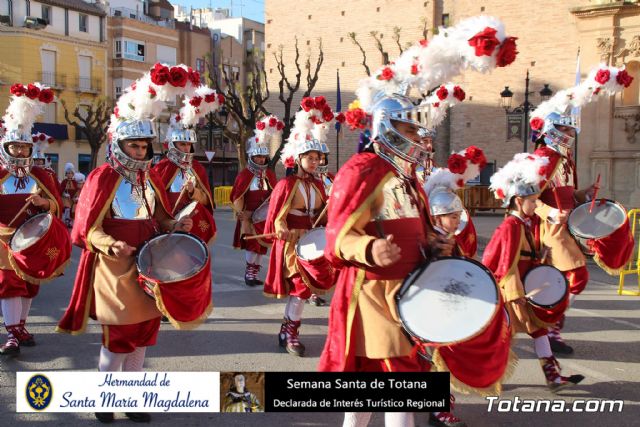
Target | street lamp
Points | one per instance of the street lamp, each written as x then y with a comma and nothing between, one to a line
223,116
506,97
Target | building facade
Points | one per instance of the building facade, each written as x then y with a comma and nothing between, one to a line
549,36
61,43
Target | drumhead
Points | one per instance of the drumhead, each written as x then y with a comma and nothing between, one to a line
311,244
31,231
447,300
603,221
464,220
552,283
186,211
260,214
172,257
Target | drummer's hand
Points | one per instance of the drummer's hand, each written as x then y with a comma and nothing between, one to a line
283,234
443,245
185,224
190,187
520,301
590,191
562,217
242,215
121,248
39,201
384,252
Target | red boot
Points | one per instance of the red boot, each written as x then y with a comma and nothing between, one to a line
12,346
446,419
288,337
25,338
555,381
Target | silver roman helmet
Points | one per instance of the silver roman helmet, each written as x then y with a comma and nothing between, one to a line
256,149
556,139
444,201
324,168
128,130
17,166
178,134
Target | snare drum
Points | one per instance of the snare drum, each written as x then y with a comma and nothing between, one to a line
552,299
603,233
454,304
175,270
259,217
203,222
311,261
40,248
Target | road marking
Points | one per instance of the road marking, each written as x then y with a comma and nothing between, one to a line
618,321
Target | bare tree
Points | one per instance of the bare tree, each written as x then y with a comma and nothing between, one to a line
93,120
378,39
355,41
396,38
289,85
244,102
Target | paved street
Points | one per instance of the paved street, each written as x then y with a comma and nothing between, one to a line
241,333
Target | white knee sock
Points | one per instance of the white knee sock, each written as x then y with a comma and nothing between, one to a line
26,305
356,419
399,419
250,257
572,298
11,310
134,361
294,308
258,259
109,361
542,346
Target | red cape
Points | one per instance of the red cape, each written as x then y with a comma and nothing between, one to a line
467,241
355,187
243,180
166,169
280,198
502,250
95,199
46,182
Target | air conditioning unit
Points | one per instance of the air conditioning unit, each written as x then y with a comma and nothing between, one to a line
35,23
5,19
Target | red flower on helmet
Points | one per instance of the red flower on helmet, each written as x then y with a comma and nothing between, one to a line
46,96
280,125
320,102
32,91
42,137
442,93
424,42
476,156
289,162
307,104
386,74
178,77
623,78
457,163
133,86
545,170
260,125
273,121
160,74
458,93
221,99
507,53
340,118
178,117
500,193
603,76
34,138
210,98
18,89
152,92
51,140
194,77
460,182
357,118
116,112
414,69
436,104
196,101
327,114
485,42
536,123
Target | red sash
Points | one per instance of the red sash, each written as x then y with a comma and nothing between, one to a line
565,195
253,199
10,204
132,231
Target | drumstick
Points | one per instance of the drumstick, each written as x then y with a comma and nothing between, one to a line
24,208
595,193
259,236
182,191
320,216
536,291
557,198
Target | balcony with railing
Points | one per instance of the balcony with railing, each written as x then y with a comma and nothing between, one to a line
53,80
88,85
140,16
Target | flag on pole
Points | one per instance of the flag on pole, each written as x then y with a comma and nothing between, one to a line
338,98
576,110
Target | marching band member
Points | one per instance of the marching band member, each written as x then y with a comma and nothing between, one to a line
295,204
554,130
512,252
252,187
122,205
185,180
446,208
69,189
20,182
41,143
378,209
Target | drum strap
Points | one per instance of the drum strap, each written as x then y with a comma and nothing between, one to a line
309,197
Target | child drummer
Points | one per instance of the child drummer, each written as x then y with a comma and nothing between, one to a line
512,251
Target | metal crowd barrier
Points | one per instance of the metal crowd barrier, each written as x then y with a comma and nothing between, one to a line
634,265
222,195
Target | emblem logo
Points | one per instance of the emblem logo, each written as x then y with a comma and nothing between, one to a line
39,392
53,253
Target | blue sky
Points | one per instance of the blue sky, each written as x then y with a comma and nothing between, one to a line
252,9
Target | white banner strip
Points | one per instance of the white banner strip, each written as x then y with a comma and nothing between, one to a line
61,391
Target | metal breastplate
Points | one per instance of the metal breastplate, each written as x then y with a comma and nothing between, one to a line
327,184
129,204
180,179
400,201
9,186
256,184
